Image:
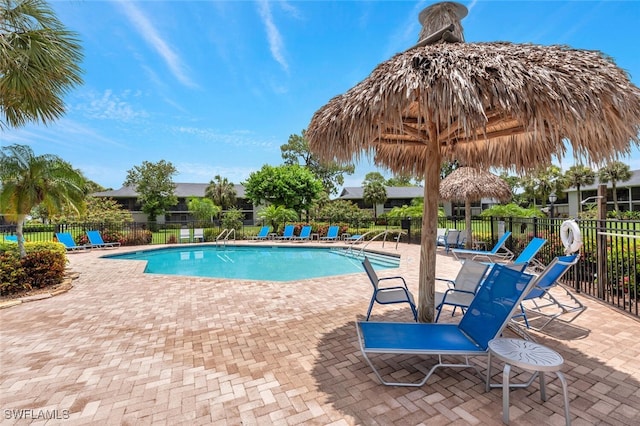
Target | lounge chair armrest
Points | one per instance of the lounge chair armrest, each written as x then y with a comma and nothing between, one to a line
453,290
450,283
405,290
393,278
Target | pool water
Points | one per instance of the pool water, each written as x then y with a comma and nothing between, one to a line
264,263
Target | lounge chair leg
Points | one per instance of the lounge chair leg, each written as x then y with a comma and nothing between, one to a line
370,308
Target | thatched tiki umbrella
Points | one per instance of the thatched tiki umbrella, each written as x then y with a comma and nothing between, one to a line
470,184
483,104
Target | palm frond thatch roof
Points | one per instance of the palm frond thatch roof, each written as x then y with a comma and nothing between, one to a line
486,104
482,104
471,184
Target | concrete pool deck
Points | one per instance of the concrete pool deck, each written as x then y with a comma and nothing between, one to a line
123,347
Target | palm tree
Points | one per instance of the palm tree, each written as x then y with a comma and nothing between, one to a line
222,192
374,191
39,63
27,181
614,172
543,182
276,215
578,176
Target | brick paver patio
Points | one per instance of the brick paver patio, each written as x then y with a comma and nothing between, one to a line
126,348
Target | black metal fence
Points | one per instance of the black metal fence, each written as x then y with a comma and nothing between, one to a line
609,266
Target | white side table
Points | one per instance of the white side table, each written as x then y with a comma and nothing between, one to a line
529,356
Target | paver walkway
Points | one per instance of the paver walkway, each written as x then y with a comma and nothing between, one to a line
125,348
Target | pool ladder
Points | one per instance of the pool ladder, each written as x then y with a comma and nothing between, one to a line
226,235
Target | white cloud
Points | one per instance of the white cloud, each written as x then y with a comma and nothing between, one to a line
273,34
240,138
146,29
109,106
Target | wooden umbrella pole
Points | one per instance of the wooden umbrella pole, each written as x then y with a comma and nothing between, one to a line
467,221
427,276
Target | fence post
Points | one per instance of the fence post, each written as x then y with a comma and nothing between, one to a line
601,243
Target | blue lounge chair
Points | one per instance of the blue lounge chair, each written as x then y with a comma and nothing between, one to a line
263,234
332,233
11,239
288,233
96,241
543,307
496,300
499,251
388,295
66,239
527,258
354,239
305,234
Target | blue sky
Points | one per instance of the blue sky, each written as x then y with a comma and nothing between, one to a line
216,87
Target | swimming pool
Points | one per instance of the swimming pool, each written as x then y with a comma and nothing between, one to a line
264,263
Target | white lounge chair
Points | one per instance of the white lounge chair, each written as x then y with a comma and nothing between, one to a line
462,289
388,295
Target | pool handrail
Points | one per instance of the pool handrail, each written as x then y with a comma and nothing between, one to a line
225,234
383,233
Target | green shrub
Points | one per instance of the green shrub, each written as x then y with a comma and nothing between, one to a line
511,210
42,267
210,234
12,275
623,261
138,237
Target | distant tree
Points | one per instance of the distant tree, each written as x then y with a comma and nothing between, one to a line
515,184
154,184
28,180
447,168
344,211
615,172
511,210
275,215
578,176
539,184
203,209
319,203
374,191
40,213
232,219
293,187
413,210
102,210
93,187
331,174
399,180
221,192
39,63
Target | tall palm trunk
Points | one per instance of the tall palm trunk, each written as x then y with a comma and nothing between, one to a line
19,227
